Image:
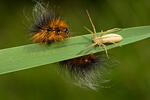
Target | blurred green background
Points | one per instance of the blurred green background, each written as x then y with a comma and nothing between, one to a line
131,77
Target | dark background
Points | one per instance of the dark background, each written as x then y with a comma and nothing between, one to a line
131,77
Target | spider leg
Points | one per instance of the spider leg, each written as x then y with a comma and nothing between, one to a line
105,50
112,30
94,34
88,47
94,29
116,44
101,33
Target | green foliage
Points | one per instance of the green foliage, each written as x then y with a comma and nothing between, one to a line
33,55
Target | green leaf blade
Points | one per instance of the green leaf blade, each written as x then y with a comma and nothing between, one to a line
33,55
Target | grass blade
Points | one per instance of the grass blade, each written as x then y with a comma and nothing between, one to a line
33,55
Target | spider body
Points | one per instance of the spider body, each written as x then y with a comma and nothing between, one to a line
108,38
103,37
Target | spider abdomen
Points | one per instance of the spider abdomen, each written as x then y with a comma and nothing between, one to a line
111,38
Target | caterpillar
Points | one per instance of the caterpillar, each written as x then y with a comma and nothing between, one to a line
48,27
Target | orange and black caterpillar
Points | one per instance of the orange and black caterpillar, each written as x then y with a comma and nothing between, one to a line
48,27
